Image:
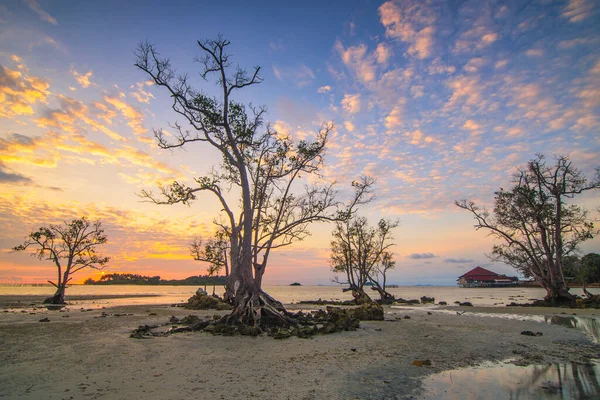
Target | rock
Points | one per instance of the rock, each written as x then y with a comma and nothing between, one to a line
466,304
190,319
442,303
407,317
369,312
44,320
530,333
425,300
421,363
201,292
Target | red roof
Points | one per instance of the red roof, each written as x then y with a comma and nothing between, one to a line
479,273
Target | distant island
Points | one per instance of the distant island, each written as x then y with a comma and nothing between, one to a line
296,284
135,279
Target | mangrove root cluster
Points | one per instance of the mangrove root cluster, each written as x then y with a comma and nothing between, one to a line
303,325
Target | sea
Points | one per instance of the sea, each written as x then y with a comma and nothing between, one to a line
115,295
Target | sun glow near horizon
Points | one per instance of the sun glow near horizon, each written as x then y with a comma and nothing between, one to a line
440,101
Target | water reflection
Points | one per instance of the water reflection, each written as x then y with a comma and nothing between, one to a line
507,381
591,326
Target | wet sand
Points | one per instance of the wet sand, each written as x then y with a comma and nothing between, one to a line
89,354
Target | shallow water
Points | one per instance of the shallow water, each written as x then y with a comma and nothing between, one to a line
589,325
507,381
489,297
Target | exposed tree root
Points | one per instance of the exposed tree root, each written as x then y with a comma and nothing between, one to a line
264,315
57,298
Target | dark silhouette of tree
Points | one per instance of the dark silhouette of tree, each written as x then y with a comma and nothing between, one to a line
537,227
260,169
71,247
361,254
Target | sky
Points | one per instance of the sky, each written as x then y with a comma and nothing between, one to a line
438,100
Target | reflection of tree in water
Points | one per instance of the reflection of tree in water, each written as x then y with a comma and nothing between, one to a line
580,381
591,326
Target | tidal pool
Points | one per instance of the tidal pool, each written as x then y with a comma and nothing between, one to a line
508,381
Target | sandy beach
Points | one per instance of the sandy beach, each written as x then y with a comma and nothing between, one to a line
82,353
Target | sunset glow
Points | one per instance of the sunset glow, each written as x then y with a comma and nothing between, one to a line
438,100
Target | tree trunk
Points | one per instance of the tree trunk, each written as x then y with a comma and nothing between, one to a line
557,294
58,297
360,296
385,296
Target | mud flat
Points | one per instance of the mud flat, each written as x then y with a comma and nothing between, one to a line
81,353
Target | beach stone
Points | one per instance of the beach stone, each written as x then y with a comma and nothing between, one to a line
425,300
201,292
466,304
442,303
44,320
530,333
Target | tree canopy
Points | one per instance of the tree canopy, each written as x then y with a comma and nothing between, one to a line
536,223
71,247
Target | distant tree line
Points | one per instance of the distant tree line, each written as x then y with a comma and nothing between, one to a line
135,279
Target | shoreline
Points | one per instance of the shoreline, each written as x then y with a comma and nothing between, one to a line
376,361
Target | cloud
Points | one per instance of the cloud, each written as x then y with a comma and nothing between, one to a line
458,260
70,116
8,177
394,118
324,89
83,80
421,256
133,115
359,61
302,75
351,103
18,93
578,10
467,89
489,38
567,44
471,125
349,126
500,64
382,53
410,23
534,53
140,94
475,64
44,16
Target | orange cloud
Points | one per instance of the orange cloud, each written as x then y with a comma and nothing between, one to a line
135,117
83,80
19,93
73,112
